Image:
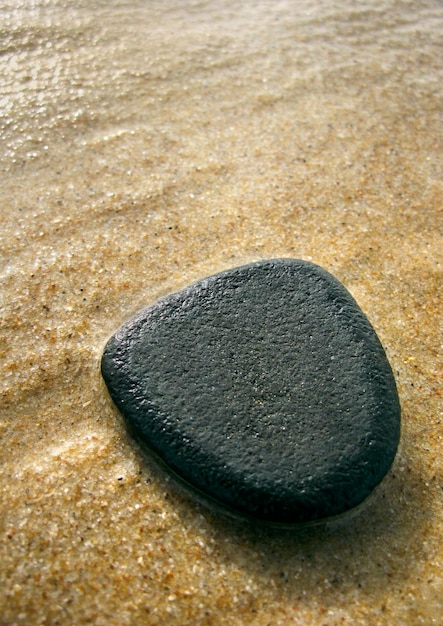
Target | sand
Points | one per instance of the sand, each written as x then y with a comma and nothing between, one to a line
144,145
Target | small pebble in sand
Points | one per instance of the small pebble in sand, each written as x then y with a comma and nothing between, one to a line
264,388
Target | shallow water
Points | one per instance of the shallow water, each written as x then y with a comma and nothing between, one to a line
143,146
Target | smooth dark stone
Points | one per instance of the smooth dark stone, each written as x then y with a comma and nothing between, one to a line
265,388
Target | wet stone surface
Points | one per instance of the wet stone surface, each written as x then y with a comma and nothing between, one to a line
264,388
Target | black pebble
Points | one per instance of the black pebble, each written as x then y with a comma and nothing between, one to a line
264,387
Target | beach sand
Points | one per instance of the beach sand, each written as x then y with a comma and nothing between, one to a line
147,144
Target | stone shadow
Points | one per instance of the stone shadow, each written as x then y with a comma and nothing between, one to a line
369,549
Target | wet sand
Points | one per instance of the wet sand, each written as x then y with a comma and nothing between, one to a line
145,145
